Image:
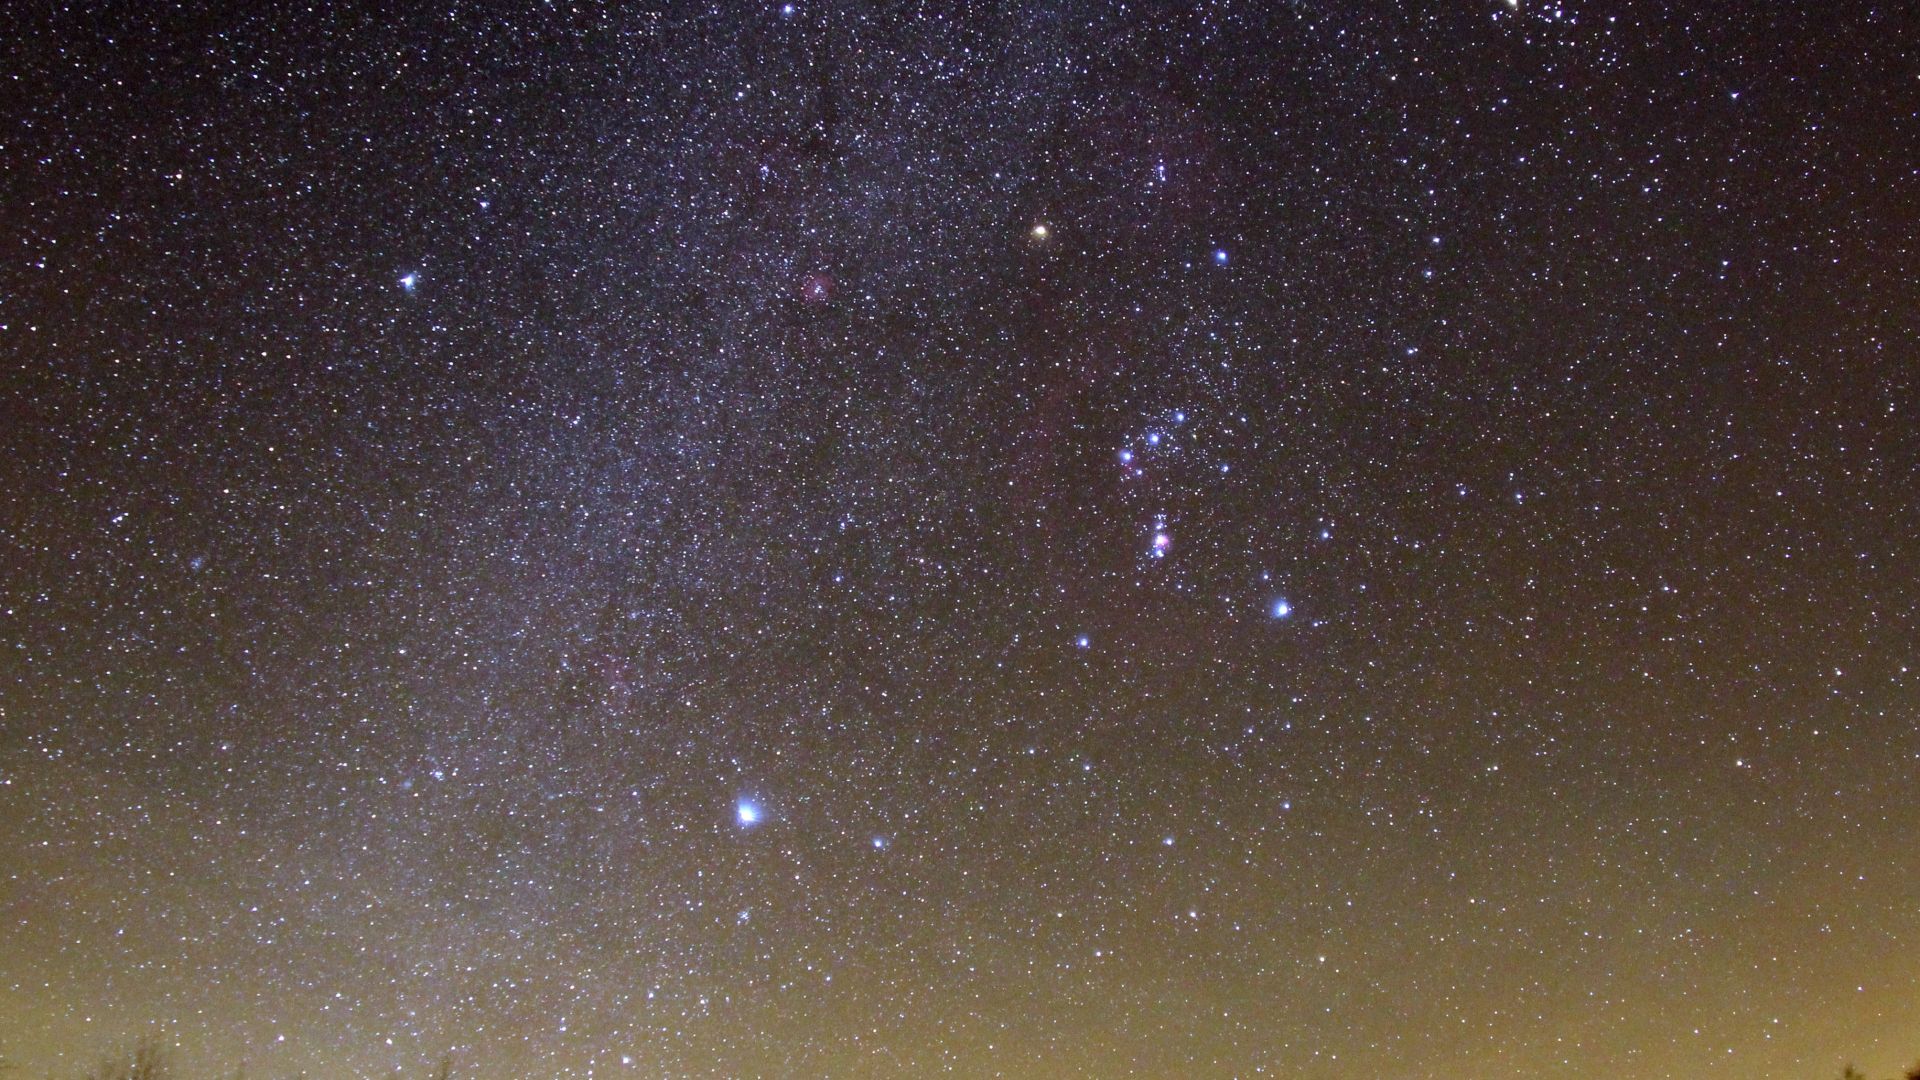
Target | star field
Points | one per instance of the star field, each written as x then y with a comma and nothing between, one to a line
991,540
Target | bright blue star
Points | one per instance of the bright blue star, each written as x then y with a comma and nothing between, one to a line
747,813
1220,256
408,280
879,843
1083,641
1281,608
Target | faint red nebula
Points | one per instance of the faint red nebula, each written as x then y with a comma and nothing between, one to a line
817,287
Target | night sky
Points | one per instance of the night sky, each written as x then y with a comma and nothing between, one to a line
1015,540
